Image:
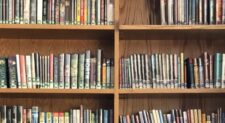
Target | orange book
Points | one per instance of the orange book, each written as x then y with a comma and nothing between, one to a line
23,72
203,118
104,74
81,12
218,11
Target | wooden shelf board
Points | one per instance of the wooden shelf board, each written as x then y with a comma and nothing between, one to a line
172,91
56,27
57,91
172,27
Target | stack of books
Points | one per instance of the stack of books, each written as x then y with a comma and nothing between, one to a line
74,12
172,71
63,71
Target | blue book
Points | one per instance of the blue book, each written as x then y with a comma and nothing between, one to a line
217,70
35,114
106,116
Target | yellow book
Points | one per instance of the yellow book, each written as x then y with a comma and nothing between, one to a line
85,12
195,116
182,69
199,116
196,75
104,74
192,116
78,11
42,117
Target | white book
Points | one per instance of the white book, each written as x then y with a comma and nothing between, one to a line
185,117
39,11
33,74
162,9
74,119
27,11
18,70
110,13
99,12
28,71
78,116
223,71
170,12
93,8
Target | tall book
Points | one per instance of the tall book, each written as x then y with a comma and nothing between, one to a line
87,69
81,70
190,73
206,69
33,11
23,71
45,11
51,70
93,73
99,64
67,71
61,70
104,79
33,70
217,70
39,11
18,71
28,71
56,72
223,71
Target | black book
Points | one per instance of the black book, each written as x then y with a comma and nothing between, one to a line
3,114
3,71
12,71
45,11
19,114
14,114
9,114
190,73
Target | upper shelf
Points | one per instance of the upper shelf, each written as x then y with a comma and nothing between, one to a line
56,27
172,91
172,27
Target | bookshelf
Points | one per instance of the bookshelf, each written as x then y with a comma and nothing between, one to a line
130,33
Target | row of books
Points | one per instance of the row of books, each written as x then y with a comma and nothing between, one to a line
172,71
174,116
78,12
19,114
192,11
63,71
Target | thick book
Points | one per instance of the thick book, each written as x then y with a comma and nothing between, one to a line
74,71
190,73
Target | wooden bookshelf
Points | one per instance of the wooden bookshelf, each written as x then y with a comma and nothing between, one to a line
131,33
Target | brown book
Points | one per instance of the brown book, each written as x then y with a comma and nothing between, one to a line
23,71
218,11
102,13
196,73
203,118
206,69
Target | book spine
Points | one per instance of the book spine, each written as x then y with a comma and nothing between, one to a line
37,68
82,12
108,73
93,73
217,70
87,69
10,3
78,11
206,71
56,72
98,13
223,11
67,12
61,71
12,72
35,113
162,10
72,11
85,9
51,70
67,71
1,11
212,10
62,12
53,11
182,70
171,83
105,11
175,61
23,71
89,12
44,11
39,11
57,11
49,11
201,73
142,71
190,72
19,115
99,63
21,11
104,79
200,12
223,72
74,71
81,71
218,11
196,74
211,71
18,71
102,12
33,11
75,11
17,11
112,73
93,14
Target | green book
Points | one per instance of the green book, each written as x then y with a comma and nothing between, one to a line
3,71
217,70
81,71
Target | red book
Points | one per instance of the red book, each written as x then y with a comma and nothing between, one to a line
23,71
81,11
24,115
51,67
218,11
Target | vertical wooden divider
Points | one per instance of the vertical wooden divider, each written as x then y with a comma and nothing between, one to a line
116,62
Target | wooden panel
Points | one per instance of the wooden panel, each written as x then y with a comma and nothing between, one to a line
58,102
11,44
133,103
136,12
191,48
